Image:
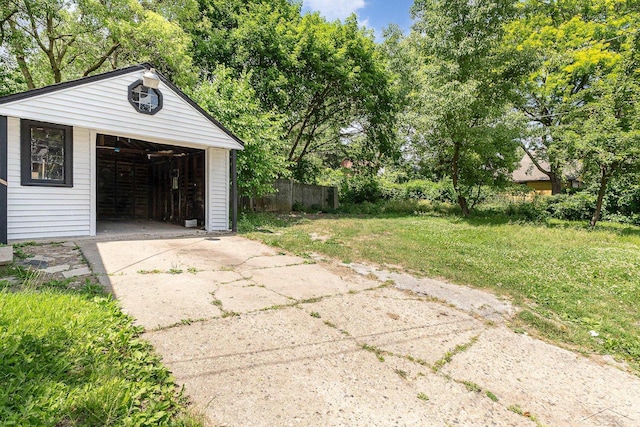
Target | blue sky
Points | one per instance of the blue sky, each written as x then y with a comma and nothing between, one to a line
375,14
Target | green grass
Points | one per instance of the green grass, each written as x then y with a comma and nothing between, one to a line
568,279
71,358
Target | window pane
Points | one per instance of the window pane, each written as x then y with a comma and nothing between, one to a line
47,153
145,98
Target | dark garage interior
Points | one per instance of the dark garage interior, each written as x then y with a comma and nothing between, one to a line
139,180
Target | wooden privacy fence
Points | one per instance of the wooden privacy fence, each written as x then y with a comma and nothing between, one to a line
290,194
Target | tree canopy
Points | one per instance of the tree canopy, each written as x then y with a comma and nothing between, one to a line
459,98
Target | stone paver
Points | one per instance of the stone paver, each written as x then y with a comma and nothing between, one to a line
258,337
6,255
82,271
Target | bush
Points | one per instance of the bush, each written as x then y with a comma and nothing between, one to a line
533,210
359,189
579,206
622,199
398,207
420,189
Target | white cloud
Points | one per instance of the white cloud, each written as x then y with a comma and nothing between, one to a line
334,9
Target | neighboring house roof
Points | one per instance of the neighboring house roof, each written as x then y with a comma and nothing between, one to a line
528,172
17,98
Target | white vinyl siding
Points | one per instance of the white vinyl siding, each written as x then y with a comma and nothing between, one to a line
218,189
43,212
104,106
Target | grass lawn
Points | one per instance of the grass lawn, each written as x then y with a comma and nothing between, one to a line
567,280
71,358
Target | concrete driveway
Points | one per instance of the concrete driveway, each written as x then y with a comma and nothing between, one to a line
260,337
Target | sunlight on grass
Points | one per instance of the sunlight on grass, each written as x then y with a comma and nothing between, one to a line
570,279
73,359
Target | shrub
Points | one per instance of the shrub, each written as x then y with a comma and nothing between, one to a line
359,189
420,189
533,210
579,206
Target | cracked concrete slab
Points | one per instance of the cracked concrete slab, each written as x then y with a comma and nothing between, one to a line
399,323
560,387
245,296
284,367
473,300
272,261
280,341
305,281
160,300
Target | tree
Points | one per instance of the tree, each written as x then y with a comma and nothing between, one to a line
464,91
571,42
606,131
233,102
327,79
55,40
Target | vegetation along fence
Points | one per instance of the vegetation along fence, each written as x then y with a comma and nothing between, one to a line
291,195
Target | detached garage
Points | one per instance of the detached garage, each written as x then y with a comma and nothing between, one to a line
123,145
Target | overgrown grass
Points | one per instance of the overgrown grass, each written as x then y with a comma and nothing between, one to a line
72,358
568,280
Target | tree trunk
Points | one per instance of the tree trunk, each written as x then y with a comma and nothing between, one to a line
455,171
556,183
604,179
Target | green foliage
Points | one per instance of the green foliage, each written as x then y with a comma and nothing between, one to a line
360,188
576,207
606,130
622,201
571,45
54,40
74,359
233,102
420,189
460,103
326,79
10,79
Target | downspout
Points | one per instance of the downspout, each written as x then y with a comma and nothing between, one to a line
3,178
234,191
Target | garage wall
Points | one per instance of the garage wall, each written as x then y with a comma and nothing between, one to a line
105,105
42,212
218,189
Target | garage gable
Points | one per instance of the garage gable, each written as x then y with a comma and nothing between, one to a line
118,102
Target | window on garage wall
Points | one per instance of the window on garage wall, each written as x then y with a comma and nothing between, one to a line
46,153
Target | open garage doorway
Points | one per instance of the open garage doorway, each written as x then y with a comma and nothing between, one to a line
140,180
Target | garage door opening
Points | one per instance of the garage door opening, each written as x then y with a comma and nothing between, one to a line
140,180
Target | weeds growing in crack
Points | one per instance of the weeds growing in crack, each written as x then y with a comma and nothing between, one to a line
402,374
226,314
449,354
310,300
471,386
491,396
516,409
379,353
154,271
182,322
416,360
334,326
